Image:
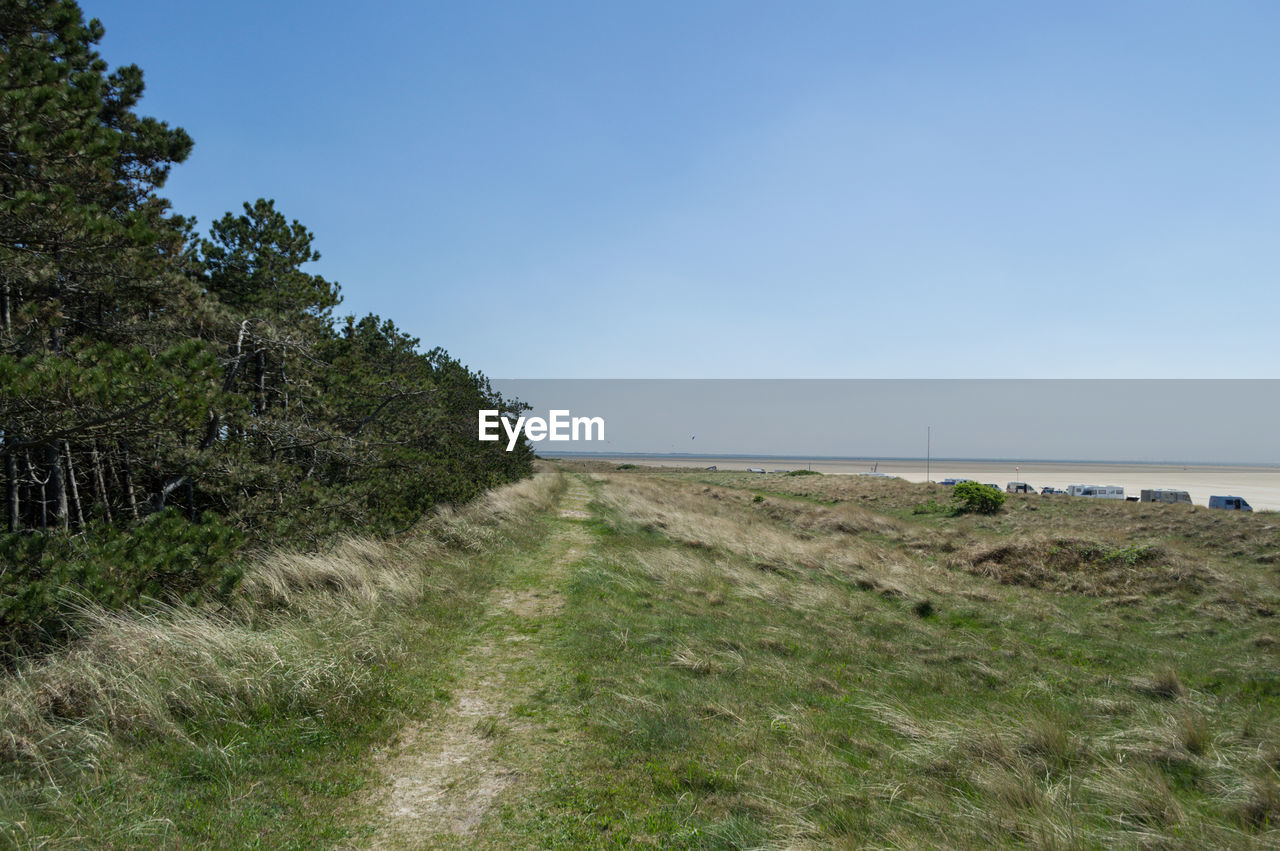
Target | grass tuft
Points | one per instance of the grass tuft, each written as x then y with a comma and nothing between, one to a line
1194,733
1166,684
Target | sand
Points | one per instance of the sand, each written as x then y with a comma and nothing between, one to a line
1260,486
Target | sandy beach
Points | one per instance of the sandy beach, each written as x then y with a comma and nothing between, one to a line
1260,486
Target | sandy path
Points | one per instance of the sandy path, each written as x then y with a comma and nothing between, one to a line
445,774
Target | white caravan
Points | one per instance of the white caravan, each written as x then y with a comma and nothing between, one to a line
1166,495
1096,491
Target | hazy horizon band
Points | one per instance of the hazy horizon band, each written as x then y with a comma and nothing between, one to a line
1141,421
588,454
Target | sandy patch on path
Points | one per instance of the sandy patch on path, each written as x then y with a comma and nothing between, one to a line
531,604
444,775
444,779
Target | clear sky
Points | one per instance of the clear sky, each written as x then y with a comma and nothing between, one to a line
742,189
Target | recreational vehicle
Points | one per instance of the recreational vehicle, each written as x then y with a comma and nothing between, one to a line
1019,487
1165,495
1229,503
1096,491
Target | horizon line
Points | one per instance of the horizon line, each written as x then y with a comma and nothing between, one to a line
922,459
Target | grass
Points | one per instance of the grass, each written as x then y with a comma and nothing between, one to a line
253,725
824,667
796,674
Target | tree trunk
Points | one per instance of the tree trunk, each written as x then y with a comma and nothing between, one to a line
75,489
161,499
260,382
15,505
53,457
128,487
37,482
100,480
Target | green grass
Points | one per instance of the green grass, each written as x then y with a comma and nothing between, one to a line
720,705
274,753
823,668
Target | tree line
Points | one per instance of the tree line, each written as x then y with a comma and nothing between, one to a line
168,397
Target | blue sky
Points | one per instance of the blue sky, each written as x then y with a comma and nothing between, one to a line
738,189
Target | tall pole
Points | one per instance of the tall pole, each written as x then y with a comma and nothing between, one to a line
928,452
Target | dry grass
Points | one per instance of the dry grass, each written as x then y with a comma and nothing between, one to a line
1165,683
356,573
1086,566
301,631
727,672
1128,553
135,675
480,523
781,540
1045,677
1253,537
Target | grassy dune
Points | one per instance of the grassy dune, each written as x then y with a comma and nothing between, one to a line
822,666
252,725
697,660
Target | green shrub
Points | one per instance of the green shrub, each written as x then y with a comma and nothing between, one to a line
977,498
48,577
626,466
804,473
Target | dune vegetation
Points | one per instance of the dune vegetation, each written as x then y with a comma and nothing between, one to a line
250,722
825,666
608,658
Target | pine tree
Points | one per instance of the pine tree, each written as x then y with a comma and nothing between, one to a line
90,278
165,397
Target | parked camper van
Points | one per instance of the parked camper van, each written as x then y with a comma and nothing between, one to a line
1166,495
1229,503
1096,491
1019,487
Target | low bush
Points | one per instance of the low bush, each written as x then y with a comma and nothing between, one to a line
977,498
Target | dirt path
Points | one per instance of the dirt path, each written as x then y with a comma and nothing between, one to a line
445,774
